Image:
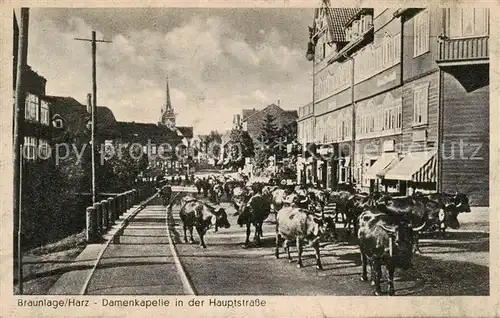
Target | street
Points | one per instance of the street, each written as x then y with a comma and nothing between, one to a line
140,262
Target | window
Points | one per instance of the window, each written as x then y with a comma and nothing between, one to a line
43,149
29,148
31,107
344,170
58,123
44,112
420,104
421,33
468,22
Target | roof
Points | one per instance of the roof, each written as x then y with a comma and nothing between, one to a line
76,117
186,131
337,19
291,113
245,113
144,132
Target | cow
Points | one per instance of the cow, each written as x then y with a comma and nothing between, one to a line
255,212
318,197
417,210
340,199
355,205
298,224
384,241
229,186
278,199
186,199
201,216
459,200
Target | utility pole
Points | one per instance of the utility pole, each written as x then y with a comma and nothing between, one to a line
22,62
94,107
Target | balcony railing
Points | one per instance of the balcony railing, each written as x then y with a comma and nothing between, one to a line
463,49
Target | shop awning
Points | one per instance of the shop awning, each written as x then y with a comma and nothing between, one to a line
416,167
384,163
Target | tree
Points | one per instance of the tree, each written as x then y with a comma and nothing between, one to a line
214,136
269,133
121,170
51,205
239,147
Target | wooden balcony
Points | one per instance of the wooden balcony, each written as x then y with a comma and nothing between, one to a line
472,50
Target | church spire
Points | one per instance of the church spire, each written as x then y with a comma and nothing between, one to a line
167,111
168,105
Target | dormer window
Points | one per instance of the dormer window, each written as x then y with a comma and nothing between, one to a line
359,25
57,121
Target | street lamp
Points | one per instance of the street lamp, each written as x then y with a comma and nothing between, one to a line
310,51
310,56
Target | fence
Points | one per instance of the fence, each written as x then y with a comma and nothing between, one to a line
101,216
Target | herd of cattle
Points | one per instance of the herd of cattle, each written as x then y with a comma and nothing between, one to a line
387,227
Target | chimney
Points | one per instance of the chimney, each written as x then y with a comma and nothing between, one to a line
278,102
89,103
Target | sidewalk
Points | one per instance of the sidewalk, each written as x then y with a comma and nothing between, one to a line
478,220
72,282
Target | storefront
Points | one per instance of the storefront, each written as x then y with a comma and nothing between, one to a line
415,172
374,157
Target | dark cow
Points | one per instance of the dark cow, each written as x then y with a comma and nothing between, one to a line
230,185
417,210
384,241
255,212
300,225
356,204
319,198
340,199
201,216
459,200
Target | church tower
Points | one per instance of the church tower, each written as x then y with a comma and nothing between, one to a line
167,112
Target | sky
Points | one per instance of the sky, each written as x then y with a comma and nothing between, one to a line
218,61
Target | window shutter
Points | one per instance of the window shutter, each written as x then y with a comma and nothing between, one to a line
455,22
427,37
27,107
415,106
480,21
397,47
425,104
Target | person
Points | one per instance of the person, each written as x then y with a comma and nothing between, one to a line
165,194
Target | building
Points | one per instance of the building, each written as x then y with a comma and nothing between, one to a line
37,127
397,89
72,120
326,124
252,119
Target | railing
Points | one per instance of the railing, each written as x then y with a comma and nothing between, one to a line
472,48
101,216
